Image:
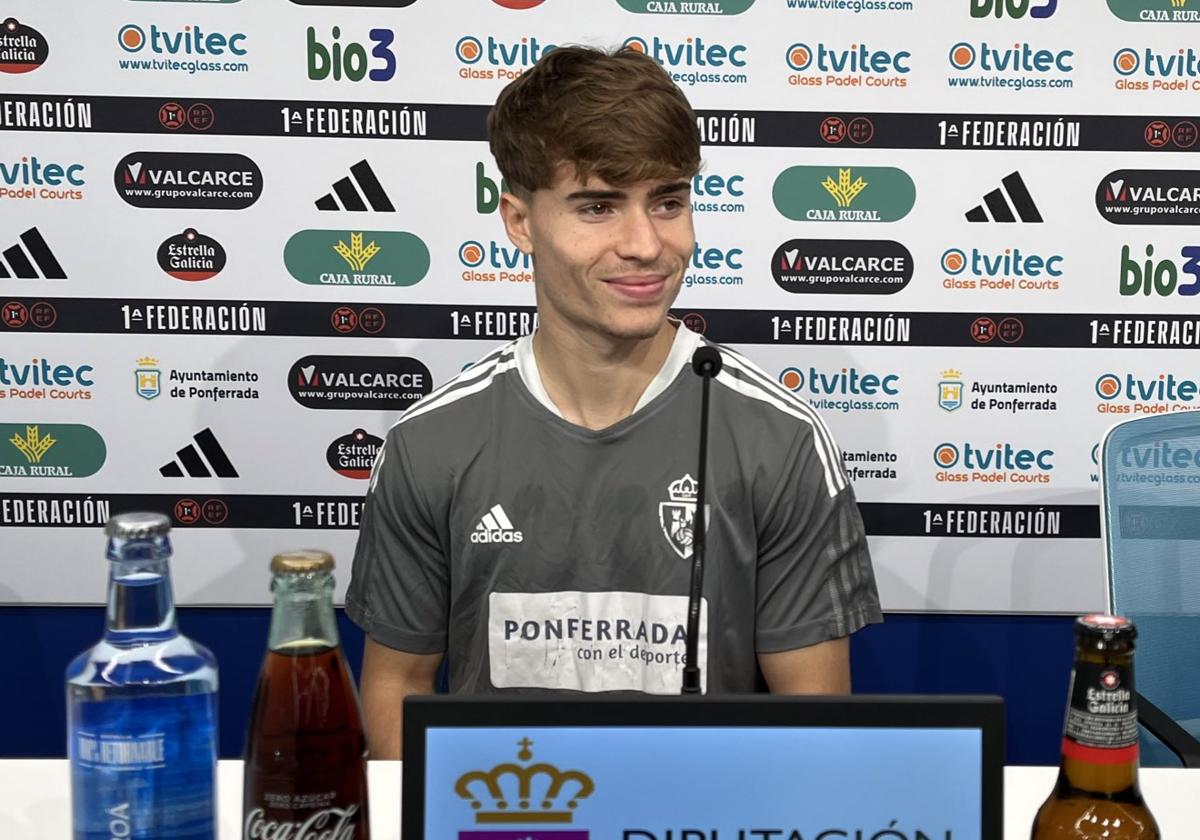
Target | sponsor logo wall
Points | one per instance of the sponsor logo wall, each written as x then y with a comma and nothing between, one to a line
966,233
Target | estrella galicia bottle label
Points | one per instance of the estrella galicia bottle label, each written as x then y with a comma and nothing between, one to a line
1102,714
143,767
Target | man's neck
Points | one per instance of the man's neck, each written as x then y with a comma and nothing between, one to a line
596,381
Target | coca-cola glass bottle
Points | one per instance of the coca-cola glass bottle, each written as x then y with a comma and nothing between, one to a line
306,767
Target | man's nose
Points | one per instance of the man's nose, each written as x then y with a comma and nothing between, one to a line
639,238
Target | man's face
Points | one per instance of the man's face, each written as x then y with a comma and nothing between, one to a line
608,260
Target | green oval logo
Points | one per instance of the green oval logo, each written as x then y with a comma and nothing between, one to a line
1154,11
356,258
844,193
50,450
686,7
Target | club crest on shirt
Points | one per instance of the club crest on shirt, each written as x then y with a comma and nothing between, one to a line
678,516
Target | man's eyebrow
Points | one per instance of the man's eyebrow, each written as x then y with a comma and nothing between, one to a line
667,189
597,195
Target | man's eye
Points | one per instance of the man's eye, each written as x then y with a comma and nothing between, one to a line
598,209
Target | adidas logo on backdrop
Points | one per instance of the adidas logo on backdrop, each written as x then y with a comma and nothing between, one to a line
495,527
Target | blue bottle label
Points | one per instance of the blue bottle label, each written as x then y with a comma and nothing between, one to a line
144,768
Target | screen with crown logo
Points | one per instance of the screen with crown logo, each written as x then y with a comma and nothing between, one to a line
702,783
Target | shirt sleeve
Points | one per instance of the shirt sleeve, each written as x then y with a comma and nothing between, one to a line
400,581
815,580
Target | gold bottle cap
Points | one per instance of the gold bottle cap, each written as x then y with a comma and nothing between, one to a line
301,562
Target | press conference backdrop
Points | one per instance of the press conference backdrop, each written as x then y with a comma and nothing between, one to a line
238,239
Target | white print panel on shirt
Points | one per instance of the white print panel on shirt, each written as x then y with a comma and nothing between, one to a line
592,641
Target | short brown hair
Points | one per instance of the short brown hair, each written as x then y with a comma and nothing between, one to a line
615,115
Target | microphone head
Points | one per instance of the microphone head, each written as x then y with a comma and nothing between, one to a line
706,361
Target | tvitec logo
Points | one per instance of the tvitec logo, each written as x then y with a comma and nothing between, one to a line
1131,394
32,179
491,58
693,60
1148,69
1001,463
349,60
1007,270
200,48
1015,9
982,65
1160,277
846,389
500,264
854,66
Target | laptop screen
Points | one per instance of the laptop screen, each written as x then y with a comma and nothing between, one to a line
706,778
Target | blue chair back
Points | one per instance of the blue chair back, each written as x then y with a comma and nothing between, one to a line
1150,479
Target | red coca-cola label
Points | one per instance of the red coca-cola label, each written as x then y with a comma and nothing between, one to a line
325,824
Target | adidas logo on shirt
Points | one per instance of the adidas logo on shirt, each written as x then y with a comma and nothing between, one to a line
495,527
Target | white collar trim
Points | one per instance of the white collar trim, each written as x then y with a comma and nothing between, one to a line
684,344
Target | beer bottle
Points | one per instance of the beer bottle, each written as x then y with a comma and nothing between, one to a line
305,758
1097,793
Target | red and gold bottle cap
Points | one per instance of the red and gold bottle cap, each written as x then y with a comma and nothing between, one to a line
1105,627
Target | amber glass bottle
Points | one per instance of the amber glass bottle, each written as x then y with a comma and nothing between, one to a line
1097,795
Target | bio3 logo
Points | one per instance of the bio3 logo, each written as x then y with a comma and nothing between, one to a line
1015,9
1010,269
332,57
997,464
1160,277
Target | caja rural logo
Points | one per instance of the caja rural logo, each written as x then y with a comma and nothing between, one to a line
973,269
494,58
844,194
683,7
50,450
356,258
1001,463
22,48
1156,11
1129,393
693,60
850,66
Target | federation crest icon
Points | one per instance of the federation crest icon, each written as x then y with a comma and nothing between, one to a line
950,390
558,792
678,516
149,378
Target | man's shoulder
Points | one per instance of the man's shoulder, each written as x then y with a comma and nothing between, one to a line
761,401
441,417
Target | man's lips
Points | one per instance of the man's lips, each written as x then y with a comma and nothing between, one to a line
639,287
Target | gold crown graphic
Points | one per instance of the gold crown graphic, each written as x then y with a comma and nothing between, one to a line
555,780
952,374
684,490
147,361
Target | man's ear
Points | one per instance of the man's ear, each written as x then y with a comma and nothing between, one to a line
514,211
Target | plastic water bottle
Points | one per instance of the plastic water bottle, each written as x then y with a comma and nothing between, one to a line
142,705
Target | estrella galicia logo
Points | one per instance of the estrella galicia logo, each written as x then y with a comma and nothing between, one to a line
22,48
354,454
356,258
844,194
188,180
519,4
1155,11
842,267
679,7
384,383
191,256
50,450
1150,197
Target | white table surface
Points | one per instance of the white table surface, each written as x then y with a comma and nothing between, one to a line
35,799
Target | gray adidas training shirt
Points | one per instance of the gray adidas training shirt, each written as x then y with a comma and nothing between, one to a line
541,555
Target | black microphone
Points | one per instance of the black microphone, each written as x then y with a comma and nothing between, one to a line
706,362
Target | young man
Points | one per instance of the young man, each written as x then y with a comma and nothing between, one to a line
532,518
